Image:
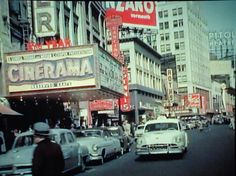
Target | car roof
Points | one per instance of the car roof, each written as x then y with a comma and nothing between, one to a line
52,131
163,121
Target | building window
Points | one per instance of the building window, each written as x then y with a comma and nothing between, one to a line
161,26
162,37
167,47
181,23
175,23
183,68
178,68
160,14
184,78
176,35
181,34
162,48
165,13
174,11
167,36
180,11
177,57
182,46
183,58
166,25
67,27
176,46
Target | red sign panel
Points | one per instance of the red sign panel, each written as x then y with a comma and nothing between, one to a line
192,100
138,13
98,105
203,104
49,44
125,101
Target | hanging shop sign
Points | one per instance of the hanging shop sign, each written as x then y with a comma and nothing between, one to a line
45,18
170,90
51,69
125,100
113,22
134,13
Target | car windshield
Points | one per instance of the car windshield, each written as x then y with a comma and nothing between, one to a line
24,141
114,132
161,127
140,127
88,133
28,140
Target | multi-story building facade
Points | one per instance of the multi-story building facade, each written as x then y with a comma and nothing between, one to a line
223,72
145,82
183,33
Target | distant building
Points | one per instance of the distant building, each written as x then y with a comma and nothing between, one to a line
222,71
183,33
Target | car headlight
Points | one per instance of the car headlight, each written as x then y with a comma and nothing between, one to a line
178,139
95,147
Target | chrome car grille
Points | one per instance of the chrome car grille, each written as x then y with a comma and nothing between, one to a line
158,146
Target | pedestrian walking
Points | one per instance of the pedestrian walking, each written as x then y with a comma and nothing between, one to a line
47,157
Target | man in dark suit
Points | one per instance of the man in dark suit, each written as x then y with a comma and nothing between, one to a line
47,158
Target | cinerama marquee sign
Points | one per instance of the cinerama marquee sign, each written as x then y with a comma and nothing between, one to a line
79,67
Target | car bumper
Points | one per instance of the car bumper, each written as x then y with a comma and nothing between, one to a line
159,149
94,157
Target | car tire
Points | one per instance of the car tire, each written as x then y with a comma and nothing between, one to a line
101,161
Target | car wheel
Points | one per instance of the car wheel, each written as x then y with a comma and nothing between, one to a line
101,162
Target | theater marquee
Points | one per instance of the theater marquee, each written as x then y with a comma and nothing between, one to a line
78,67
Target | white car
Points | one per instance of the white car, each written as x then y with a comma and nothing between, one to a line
162,136
18,160
139,131
100,143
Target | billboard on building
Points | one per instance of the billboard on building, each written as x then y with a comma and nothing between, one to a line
45,18
98,105
192,100
61,69
134,13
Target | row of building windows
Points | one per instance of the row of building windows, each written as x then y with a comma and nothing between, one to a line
182,78
181,68
147,64
176,23
147,79
175,12
177,35
180,57
178,46
165,48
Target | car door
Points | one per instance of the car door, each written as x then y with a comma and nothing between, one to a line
66,149
73,149
112,142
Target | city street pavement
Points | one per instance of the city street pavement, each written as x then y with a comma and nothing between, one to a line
210,153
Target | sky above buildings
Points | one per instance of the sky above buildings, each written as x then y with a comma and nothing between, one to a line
220,15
